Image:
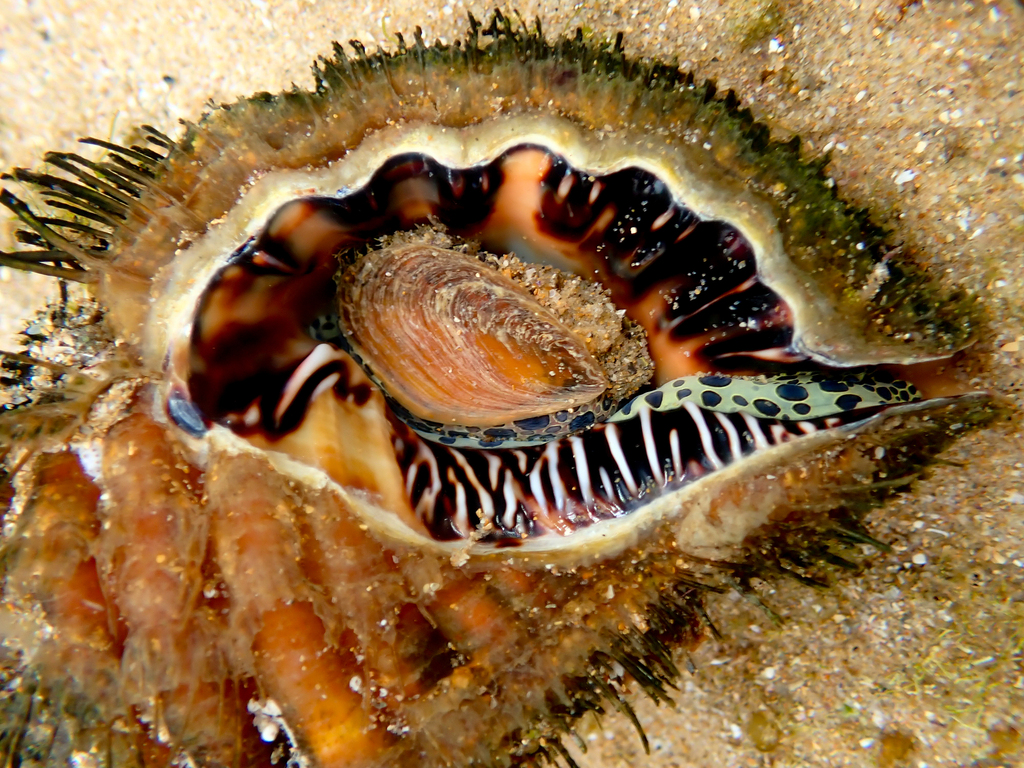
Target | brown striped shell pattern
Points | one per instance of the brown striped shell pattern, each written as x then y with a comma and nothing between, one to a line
406,420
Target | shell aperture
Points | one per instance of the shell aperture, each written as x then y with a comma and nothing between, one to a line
468,361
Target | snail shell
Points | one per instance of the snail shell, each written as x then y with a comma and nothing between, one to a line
244,534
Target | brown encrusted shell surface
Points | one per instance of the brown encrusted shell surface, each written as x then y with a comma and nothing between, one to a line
925,24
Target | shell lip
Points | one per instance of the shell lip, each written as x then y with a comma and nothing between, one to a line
903,355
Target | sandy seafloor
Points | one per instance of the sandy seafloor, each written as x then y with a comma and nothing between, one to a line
917,661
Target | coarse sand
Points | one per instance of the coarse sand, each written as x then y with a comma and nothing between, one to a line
919,659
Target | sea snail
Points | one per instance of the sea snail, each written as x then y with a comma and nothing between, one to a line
426,405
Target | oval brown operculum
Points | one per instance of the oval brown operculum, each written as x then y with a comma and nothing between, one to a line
454,341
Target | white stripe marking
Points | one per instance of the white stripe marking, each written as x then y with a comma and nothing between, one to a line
461,520
677,458
521,458
321,355
807,427
579,453
251,417
760,442
606,481
486,502
325,386
410,476
651,447
734,437
511,501
537,487
705,434
611,434
564,186
427,502
493,469
557,486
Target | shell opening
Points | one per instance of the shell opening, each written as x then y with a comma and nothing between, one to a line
433,342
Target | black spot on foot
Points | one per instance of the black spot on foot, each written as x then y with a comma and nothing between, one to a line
583,421
848,402
792,392
710,399
534,423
